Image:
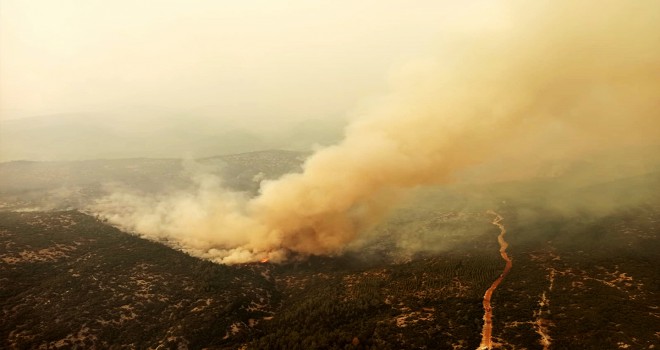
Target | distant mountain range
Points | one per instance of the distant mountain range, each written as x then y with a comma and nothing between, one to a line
83,136
607,178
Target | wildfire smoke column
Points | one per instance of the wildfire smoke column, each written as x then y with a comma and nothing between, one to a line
547,78
562,72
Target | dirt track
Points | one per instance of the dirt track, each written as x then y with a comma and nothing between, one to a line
486,341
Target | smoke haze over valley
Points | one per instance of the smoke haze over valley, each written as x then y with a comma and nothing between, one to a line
378,147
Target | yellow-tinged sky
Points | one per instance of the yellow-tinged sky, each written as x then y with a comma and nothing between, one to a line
223,59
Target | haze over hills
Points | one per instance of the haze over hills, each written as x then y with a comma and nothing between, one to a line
154,135
64,184
76,184
582,187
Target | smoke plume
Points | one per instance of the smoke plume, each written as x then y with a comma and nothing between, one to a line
542,80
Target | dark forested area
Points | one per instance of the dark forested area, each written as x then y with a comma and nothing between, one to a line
68,279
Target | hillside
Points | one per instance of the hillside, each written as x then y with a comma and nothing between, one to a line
68,279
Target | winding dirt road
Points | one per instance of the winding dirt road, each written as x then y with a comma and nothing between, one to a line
486,341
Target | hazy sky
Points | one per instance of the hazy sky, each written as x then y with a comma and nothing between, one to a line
224,59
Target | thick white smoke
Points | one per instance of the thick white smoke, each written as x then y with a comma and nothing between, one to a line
553,77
